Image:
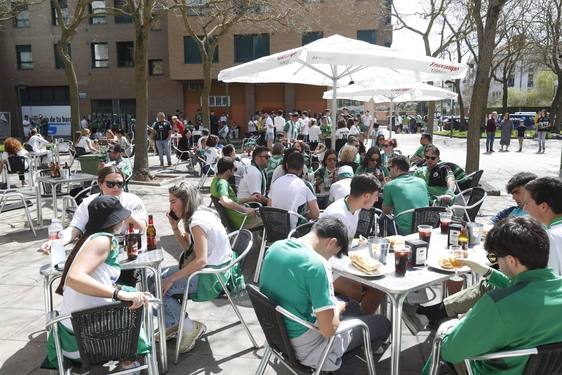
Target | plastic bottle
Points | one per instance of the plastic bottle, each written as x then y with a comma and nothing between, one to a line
57,245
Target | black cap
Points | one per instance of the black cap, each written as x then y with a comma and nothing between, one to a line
104,212
117,148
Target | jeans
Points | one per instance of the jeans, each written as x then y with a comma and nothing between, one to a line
541,138
461,302
490,136
172,307
164,147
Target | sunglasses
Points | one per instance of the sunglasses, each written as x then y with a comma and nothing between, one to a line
492,257
112,184
430,157
386,146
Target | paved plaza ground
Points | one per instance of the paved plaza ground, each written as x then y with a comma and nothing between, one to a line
225,348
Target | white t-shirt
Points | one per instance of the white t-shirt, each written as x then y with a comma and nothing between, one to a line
83,123
314,133
342,133
279,171
289,193
353,130
279,123
211,155
305,122
340,189
36,142
218,247
250,183
555,253
339,209
128,200
269,125
251,126
84,142
201,141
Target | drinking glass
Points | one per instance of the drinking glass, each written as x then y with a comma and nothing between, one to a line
474,233
445,219
424,232
401,260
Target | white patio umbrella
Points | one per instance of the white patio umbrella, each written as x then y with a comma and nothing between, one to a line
335,61
413,92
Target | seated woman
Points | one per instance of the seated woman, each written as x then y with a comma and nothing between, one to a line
211,154
204,242
372,164
85,145
388,147
13,148
90,272
324,177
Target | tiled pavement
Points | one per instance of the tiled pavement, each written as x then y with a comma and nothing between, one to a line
225,348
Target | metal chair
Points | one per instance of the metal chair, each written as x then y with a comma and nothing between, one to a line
468,202
426,216
242,244
69,203
301,230
8,196
203,177
221,210
106,333
180,154
470,181
271,318
543,359
276,226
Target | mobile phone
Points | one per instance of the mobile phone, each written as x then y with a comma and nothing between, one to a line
173,215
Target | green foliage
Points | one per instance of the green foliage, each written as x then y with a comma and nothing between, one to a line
540,95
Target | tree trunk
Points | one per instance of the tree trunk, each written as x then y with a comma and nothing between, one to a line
430,116
556,107
504,96
141,94
461,104
207,82
72,82
478,102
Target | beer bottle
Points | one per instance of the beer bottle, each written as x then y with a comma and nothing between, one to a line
131,243
150,234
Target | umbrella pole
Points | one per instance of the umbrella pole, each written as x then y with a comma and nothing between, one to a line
390,118
334,115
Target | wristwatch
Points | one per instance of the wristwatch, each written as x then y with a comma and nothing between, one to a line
116,293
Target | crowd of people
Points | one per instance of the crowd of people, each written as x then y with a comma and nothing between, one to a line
296,171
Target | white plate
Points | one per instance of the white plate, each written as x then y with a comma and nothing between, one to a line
434,263
344,264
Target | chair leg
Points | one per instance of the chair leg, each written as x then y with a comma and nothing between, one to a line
29,220
260,258
325,353
368,350
264,361
237,312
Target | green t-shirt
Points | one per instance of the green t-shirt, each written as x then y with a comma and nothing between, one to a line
297,278
220,188
404,193
420,152
273,163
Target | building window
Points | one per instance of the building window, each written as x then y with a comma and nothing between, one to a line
97,12
45,96
311,36
125,54
249,47
369,36
191,54
59,63
530,80
22,18
121,18
155,67
511,81
64,7
100,55
219,101
24,58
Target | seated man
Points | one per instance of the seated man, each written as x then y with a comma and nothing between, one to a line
222,190
252,186
516,187
507,317
291,193
364,194
403,193
438,177
116,158
425,140
274,161
544,204
295,274
341,189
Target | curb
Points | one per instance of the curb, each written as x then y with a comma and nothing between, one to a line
171,178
